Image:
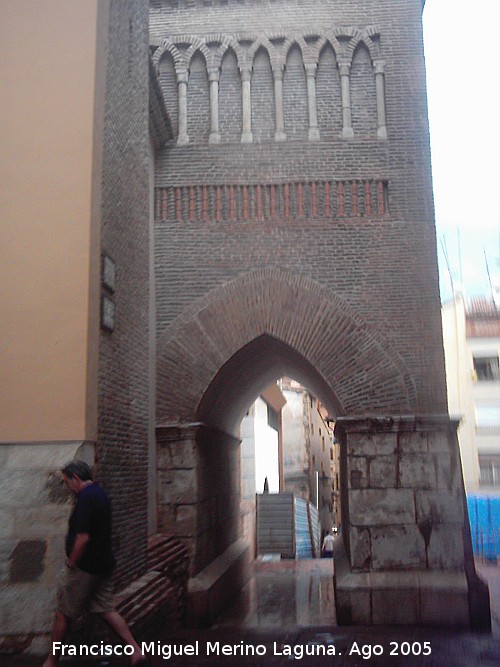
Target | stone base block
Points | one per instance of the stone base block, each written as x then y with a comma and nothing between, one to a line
211,589
419,597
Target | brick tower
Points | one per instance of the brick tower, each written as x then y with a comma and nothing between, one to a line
294,233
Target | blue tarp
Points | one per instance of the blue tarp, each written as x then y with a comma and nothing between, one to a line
303,547
484,517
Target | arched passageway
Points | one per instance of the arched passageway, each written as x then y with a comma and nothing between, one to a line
401,485
320,334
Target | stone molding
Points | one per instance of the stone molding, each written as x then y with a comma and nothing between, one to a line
396,423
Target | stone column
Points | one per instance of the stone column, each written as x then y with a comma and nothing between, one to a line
379,66
311,102
279,134
213,77
246,77
182,81
347,131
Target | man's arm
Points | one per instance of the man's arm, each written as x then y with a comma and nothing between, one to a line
81,541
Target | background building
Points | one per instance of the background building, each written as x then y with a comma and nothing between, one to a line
308,451
472,348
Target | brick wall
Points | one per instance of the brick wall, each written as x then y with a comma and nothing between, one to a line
380,262
123,370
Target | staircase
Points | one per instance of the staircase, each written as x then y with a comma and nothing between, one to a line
287,526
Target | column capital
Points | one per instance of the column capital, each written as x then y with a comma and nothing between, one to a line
182,76
213,74
344,68
379,66
278,72
246,73
310,69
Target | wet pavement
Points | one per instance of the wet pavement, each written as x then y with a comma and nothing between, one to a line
285,594
286,616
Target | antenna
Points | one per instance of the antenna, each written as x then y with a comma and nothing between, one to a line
460,257
488,270
445,253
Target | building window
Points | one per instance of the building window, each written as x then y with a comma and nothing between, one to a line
489,470
488,417
487,369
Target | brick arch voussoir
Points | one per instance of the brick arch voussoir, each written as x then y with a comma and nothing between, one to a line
217,55
263,43
372,34
340,38
167,47
354,359
362,38
305,50
314,50
198,46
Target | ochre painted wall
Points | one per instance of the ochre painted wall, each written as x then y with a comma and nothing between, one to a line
49,234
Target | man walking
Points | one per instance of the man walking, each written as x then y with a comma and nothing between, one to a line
85,583
327,550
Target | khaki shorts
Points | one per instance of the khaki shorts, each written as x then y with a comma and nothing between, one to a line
79,591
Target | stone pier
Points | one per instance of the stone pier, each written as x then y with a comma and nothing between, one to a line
198,502
405,555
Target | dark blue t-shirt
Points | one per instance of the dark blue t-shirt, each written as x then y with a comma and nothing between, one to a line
92,515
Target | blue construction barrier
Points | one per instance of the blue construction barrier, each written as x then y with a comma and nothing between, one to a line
303,546
484,517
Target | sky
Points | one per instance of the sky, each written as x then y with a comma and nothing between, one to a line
463,87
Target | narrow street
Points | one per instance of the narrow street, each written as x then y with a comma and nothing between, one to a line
286,613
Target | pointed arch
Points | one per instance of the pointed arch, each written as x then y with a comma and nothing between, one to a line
366,38
230,100
198,99
363,93
263,109
295,95
169,47
197,46
328,94
363,373
296,42
167,77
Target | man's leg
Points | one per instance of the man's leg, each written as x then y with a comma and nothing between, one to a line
73,591
117,623
58,631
